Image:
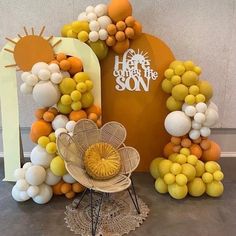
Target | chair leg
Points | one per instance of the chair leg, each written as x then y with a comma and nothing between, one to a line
95,218
81,198
134,198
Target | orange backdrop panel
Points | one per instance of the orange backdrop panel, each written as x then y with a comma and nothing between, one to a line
141,112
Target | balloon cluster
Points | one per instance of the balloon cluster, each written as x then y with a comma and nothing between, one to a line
189,122
183,173
104,26
64,91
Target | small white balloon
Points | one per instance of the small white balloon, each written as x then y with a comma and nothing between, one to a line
65,74
103,34
213,106
38,66
68,179
190,111
59,131
212,117
44,74
27,165
19,173
32,80
104,21
94,26
22,185
184,106
56,77
100,10
24,195
44,195
91,16
82,17
25,75
201,107
199,117
26,89
59,121
53,67
194,134
196,125
51,179
205,131
16,194
33,191
70,125
35,175
93,36
89,9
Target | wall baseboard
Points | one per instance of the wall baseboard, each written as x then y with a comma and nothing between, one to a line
223,154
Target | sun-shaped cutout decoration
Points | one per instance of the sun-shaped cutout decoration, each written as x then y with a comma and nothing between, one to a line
31,49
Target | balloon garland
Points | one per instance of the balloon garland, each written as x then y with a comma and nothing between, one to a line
190,159
64,92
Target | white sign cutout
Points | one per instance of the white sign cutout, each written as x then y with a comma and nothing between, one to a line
133,72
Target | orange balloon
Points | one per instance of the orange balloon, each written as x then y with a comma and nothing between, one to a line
93,117
77,115
120,36
61,56
39,113
137,29
118,10
120,25
94,109
66,188
40,128
168,149
53,110
176,148
99,123
129,21
205,144
211,154
175,140
57,188
48,116
186,142
196,150
76,65
65,65
111,29
198,140
129,33
111,41
70,195
121,47
54,62
77,188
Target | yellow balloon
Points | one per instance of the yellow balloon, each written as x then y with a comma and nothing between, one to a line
178,192
173,105
215,189
164,167
161,186
212,166
169,178
189,171
200,168
154,167
181,179
57,166
166,86
179,92
196,187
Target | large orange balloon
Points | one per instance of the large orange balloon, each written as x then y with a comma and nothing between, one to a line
211,154
141,112
196,150
168,149
40,128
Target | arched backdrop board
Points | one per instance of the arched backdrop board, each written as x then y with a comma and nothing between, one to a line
141,112
9,99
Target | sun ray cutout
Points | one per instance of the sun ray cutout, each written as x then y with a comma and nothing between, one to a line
31,48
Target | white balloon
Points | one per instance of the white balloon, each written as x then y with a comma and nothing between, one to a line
199,117
205,131
26,89
56,77
38,66
201,107
51,179
35,175
103,34
177,123
104,21
25,75
33,191
70,125
16,194
22,185
44,195
212,117
68,179
59,122
213,106
39,156
53,67
190,111
59,131
19,173
184,106
196,125
27,165
44,74
100,10
194,134
46,94
32,80
93,36
89,9
24,195
94,25
83,17
91,16
65,74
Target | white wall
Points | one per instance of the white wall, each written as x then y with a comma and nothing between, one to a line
201,30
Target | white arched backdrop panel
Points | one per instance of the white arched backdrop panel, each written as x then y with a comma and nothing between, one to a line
201,30
9,100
